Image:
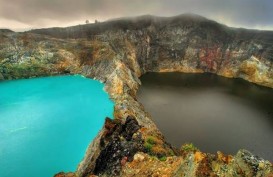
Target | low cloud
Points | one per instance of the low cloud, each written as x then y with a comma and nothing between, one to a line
41,13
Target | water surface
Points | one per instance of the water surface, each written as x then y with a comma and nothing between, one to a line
47,123
213,112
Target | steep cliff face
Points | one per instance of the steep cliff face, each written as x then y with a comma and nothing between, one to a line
185,43
117,52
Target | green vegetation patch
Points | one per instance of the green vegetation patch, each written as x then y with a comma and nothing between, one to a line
189,147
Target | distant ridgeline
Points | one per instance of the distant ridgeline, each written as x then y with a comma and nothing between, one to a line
6,31
197,25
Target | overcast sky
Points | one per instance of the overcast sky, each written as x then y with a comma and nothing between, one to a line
26,14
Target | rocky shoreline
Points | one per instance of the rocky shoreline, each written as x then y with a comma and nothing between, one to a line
117,53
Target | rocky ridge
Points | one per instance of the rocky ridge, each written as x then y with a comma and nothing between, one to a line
117,53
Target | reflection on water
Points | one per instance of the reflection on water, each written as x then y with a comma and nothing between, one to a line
213,112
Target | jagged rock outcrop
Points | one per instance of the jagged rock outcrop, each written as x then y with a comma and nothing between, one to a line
198,164
117,52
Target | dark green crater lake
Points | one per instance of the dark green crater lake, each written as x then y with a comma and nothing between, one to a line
213,112
47,123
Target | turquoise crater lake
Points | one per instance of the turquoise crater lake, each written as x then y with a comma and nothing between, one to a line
48,123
